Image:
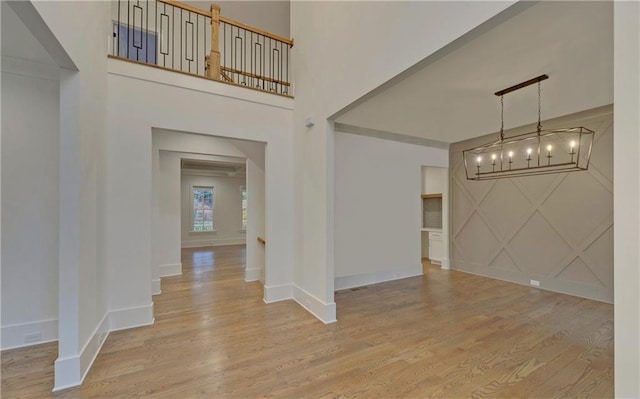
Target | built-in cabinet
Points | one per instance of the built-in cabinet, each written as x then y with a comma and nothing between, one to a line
434,215
432,227
435,247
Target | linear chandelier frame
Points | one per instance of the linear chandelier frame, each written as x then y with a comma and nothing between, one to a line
534,153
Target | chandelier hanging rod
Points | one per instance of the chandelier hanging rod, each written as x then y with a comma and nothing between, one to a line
521,85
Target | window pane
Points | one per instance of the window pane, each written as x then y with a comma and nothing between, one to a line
244,208
202,208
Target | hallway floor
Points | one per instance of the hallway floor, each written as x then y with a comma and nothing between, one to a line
446,334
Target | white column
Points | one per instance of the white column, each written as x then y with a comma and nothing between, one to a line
626,198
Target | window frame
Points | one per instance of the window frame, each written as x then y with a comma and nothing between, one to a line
243,207
193,187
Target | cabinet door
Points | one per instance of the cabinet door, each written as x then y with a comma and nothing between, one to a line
435,248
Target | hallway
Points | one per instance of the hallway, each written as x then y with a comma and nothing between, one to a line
447,334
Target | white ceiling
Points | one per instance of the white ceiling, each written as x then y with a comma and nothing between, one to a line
451,98
220,167
18,41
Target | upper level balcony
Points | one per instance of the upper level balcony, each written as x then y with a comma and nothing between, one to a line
179,37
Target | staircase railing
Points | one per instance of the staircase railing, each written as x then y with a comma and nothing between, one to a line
179,37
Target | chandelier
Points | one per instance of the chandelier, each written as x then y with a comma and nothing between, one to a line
534,153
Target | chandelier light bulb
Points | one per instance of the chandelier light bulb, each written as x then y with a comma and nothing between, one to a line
493,157
510,154
479,159
528,151
549,147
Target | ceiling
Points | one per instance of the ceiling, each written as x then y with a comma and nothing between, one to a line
451,98
18,41
213,168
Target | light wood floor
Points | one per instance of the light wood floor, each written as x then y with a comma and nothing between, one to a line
444,335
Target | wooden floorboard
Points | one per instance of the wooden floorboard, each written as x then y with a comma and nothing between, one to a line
443,335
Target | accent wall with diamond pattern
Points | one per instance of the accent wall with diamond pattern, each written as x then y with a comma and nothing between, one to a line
557,229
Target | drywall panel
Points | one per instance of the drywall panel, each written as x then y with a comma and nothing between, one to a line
378,206
136,107
30,161
540,227
342,51
627,198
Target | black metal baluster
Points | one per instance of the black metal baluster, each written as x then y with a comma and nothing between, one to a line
244,57
280,73
197,41
253,62
173,35
181,23
118,28
155,50
146,47
128,25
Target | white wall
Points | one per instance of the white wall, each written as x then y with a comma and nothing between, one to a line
271,16
209,109
255,222
328,77
30,225
626,198
82,292
434,180
227,211
377,208
166,260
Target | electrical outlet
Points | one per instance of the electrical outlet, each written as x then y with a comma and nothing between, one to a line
31,338
535,283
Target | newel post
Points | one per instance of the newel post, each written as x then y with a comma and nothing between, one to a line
213,60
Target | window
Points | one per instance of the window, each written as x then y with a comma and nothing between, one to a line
243,191
202,209
133,43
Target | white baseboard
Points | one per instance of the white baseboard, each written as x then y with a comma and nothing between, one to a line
213,242
276,293
359,280
13,336
444,264
71,371
123,319
155,287
174,269
325,312
252,275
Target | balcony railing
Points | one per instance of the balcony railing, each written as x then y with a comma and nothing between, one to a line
179,37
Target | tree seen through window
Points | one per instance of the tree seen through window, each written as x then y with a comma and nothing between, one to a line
202,209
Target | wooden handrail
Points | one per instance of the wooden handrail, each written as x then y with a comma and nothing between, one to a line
180,4
251,75
262,241
225,76
256,30
228,20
